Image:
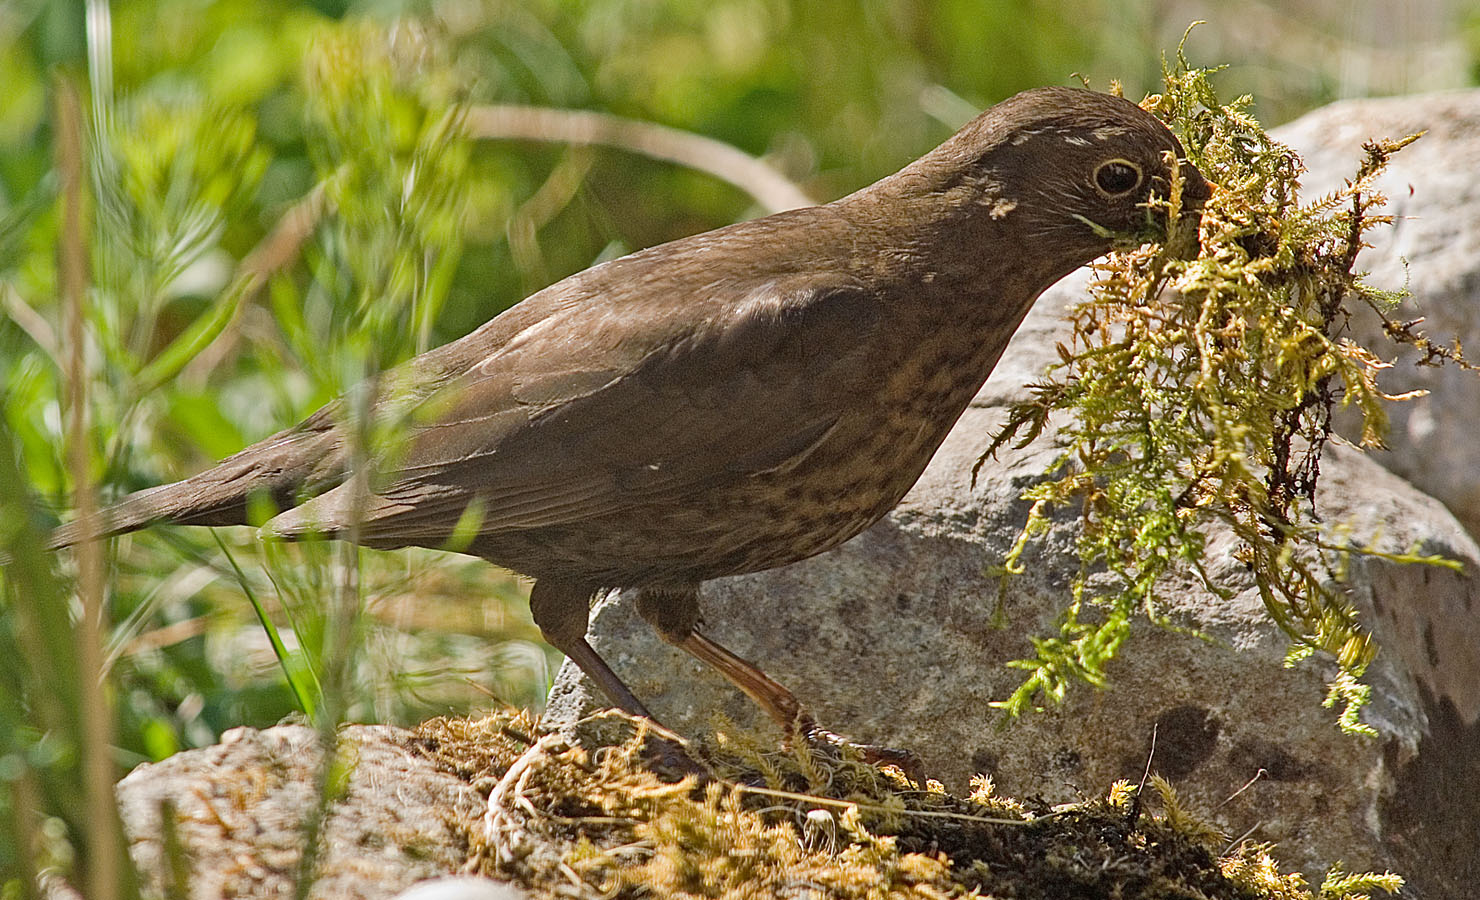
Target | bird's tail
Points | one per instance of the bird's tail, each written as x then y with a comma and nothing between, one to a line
277,469
183,502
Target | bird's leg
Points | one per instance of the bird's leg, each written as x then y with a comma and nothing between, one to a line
675,616
562,611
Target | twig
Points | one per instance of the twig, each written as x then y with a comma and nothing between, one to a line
506,837
1145,775
25,824
873,807
1248,784
1241,838
570,126
543,205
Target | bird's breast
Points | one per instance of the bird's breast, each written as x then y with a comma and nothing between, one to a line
865,466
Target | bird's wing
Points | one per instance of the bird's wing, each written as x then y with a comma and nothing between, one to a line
567,422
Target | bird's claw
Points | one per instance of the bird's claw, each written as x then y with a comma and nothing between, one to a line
874,754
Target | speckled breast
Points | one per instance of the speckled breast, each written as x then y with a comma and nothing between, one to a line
850,480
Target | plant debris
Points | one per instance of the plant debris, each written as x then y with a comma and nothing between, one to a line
578,823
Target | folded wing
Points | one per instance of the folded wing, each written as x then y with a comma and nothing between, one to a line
562,423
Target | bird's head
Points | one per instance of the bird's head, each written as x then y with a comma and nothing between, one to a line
1064,173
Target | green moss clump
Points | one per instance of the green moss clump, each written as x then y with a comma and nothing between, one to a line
1197,392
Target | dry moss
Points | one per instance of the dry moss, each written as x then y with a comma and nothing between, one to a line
768,823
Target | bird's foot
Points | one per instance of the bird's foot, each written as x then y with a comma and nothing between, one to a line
819,738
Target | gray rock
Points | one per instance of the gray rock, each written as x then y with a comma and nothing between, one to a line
891,639
240,808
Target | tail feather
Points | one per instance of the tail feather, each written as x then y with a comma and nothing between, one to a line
278,468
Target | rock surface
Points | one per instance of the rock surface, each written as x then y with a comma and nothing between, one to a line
891,639
241,806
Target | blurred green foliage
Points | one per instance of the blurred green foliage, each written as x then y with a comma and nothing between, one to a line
214,122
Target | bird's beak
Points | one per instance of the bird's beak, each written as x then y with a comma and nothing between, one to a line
1196,190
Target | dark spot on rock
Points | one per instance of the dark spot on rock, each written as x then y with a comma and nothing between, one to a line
1250,755
853,608
1430,649
984,761
1066,759
902,602
1185,737
1432,819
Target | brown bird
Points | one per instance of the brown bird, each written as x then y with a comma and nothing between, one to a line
725,403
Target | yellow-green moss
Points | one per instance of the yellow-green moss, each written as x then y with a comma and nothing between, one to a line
1196,392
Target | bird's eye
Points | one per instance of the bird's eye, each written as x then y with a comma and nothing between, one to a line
1118,176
